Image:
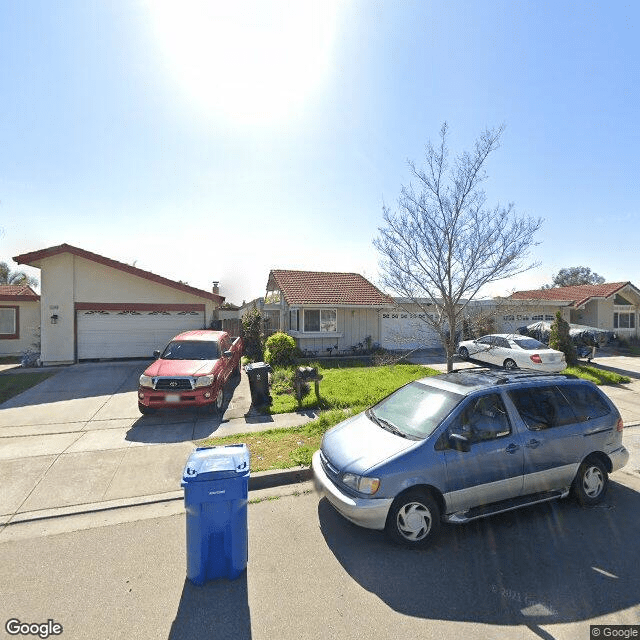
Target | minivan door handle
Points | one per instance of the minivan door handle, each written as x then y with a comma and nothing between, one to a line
533,444
512,448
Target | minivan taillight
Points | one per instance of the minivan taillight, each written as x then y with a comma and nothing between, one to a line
619,425
536,358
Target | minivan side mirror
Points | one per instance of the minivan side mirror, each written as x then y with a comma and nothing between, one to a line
156,354
459,443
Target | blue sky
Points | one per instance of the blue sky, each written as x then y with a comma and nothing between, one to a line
215,141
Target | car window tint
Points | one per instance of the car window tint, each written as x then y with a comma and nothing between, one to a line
586,402
542,407
482,418
485,340
502,342
530,344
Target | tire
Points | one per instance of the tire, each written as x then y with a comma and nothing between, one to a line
463,352
591,482
510,364
413,520
216,408
144,410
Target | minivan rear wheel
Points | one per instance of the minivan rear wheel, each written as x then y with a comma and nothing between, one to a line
591,482
413,520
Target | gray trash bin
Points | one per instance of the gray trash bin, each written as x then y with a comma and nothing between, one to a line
216,484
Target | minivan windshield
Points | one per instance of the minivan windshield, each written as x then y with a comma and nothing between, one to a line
191,350
415,410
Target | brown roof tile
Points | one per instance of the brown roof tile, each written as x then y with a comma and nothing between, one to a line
18,291
579,294
318,287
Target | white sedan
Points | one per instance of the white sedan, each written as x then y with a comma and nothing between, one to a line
513,351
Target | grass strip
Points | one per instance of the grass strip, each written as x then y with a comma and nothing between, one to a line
13,384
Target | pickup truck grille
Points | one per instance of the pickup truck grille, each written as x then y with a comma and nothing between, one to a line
173,384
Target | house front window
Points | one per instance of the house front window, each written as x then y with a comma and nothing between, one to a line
293,320
623,320
8,322
320,320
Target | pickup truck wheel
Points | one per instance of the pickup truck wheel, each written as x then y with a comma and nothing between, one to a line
216,407
591,482
144,410
413,520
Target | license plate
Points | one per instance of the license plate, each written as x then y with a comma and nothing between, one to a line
172,397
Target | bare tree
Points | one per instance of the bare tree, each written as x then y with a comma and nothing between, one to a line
443,244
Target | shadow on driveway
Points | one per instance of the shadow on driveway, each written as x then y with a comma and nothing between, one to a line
179,425
546,564
217,609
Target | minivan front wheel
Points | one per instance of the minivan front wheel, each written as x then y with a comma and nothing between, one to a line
413,520
591,482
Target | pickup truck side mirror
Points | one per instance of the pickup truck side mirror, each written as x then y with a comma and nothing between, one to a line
459,443
156,354
228,353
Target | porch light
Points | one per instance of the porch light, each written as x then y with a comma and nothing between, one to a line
54,318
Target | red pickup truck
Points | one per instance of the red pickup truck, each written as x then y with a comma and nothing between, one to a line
191,372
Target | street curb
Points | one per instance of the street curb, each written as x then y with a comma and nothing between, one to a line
257,482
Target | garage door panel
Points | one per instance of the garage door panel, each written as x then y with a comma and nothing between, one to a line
130,334
407,331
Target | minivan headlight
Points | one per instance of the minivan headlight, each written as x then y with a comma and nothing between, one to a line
146,381
204,381
362,484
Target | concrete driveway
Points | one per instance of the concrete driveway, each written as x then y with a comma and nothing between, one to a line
78,439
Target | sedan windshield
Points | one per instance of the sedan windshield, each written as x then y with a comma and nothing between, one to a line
194,350
530,344
415,410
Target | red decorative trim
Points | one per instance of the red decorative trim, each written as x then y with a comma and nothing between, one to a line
6,298
34,256
136,306
16,335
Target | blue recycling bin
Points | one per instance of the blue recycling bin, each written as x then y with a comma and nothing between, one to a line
216,484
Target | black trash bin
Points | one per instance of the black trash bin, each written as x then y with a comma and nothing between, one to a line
258,373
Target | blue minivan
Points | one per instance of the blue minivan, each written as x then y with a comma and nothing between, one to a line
469,444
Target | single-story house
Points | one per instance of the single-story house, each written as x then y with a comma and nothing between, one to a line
19,320
325,310
612,306
93,307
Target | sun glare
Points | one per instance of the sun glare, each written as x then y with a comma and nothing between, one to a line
248,61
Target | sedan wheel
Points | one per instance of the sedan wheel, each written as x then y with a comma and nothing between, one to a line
463,352
591,482
413,520
510,364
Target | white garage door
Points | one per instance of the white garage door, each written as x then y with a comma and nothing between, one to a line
131,334
407,331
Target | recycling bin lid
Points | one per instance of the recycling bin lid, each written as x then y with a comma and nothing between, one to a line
210,463
257,366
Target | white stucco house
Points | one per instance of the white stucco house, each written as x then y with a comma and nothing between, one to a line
19,319
93,307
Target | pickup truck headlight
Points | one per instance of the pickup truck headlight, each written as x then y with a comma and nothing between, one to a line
362,484
146,381
204,381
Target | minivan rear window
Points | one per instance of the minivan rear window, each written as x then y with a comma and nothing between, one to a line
416,409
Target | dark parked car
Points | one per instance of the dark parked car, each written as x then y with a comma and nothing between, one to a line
466,445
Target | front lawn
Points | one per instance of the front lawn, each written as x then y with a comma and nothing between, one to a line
596,375
13,384
345,385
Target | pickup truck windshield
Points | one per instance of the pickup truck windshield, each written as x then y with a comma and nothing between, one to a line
415,410
194,350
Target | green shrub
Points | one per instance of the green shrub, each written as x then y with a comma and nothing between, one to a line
252,334
280,349
559,339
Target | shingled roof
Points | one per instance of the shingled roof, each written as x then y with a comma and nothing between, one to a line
20,292
578,295
324,288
